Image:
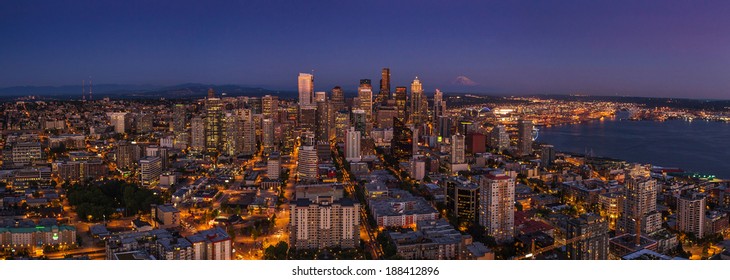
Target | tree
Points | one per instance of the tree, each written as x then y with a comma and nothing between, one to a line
276,252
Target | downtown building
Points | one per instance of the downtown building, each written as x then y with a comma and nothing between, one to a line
691,213
639,203
591,232
352,145
524,137
497,206
321,218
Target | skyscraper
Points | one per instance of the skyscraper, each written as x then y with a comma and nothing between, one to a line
524,137
352,145
267,134
639,203
499,139
359,121
213,123
337,99
365,94
419,104
197,134
179,125
232,134
691,213
497,206
270,106
306,89
308,162
384,93
458,149
439,107
594,245
401,101
342,122
402,142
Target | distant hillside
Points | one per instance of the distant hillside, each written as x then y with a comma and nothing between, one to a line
190,90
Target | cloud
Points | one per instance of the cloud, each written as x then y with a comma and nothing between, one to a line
464,81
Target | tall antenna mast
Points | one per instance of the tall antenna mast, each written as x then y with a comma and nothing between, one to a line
83,90
91,93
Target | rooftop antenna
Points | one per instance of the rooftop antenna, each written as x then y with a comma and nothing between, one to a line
83,90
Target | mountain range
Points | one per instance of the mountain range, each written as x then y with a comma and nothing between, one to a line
188,90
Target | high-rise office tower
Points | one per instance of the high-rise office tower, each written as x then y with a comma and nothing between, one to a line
419,104
497,206
384,93
594,244
338,99
179,125
439,107
232,134
352,145
402,143
524,137
359,120
639,203
365,94
499,139
249,137
444,127
322,120
267,135
458,149
213,123
197,134
306,89
342,123
308,162
270,106
401,103
547,155
256,105
691,213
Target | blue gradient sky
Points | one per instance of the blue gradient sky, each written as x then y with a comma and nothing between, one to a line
643,48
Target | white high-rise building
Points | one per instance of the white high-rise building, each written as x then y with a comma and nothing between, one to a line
639,203
120,122
352,145
497,206
324,221
306,89
308,162
150,170
691,214
458,146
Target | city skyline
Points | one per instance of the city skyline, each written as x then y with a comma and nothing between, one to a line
632,49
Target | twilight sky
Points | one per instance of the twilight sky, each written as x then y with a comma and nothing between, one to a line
644,48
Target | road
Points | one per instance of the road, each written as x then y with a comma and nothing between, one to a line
352,187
